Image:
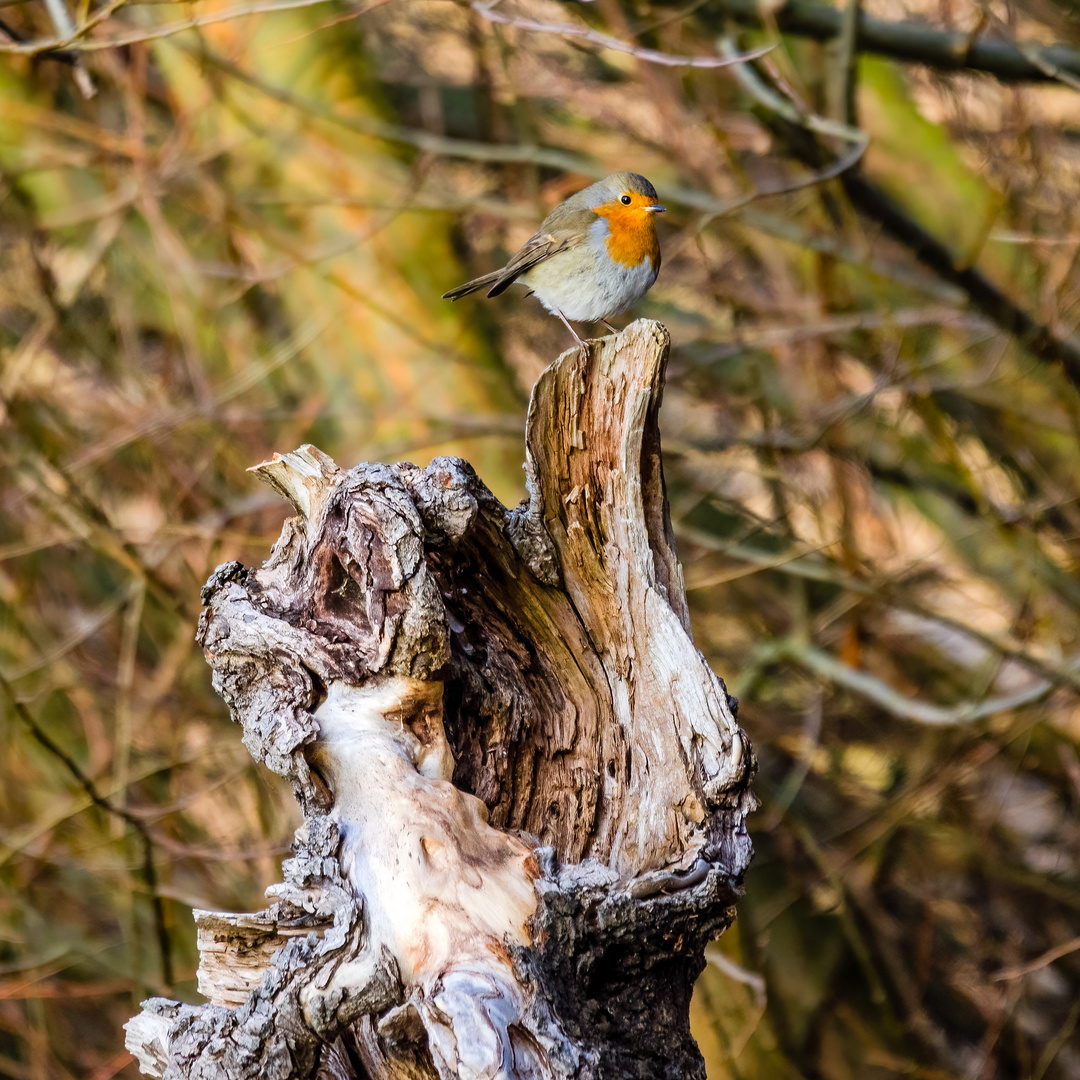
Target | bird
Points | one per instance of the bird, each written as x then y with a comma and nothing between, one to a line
593,256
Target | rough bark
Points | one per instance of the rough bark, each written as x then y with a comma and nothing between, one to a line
524,790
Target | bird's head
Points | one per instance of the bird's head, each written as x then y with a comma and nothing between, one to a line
625,195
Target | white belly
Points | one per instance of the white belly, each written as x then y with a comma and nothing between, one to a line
586,288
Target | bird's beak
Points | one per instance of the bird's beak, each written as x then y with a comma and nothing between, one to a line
655,209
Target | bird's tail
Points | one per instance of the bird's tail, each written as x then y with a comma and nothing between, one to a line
475,285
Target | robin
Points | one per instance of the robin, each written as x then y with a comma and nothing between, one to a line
594,255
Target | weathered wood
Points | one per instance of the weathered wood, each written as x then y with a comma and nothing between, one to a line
524,790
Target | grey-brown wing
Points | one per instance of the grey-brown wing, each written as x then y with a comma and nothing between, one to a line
536,249
565,227
561,229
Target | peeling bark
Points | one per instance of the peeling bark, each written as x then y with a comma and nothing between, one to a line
524,790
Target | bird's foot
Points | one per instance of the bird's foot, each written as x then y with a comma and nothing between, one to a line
580,343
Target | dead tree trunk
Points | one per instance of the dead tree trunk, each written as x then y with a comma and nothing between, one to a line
524,790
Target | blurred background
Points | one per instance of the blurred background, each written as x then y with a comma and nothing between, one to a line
224,231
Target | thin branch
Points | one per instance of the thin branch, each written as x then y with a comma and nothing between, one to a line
805,563
794,113
61,56
469,149
847,68
160,422
1037,56
869,199
603,41
786,106
753,979
1046,1059
768,335
809,741
946,50
75,38
901,705
1047,958
522,153
1038,339
717,208
100,801
65,28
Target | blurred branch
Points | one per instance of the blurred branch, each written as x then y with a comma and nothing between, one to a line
1047,958
1036,55
1038,339
83,628
157,422
899,704
829,172
946,50
469,149
808,564
68,35
74,38
519,153
881,956
603,41
15,843
901,272
753,979
781,101
65,28
809,739
844,79
64,501
100,801
1055,1045
872,201
61,56
767,335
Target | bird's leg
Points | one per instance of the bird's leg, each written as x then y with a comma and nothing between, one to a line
581,344
609,326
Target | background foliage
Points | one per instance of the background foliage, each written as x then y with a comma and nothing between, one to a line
238,245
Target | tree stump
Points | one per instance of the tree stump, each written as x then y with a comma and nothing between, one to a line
524,790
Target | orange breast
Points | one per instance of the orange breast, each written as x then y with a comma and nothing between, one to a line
633,235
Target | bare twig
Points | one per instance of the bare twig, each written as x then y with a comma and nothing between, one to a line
603,41
158,423
524,153
871,200
74,39
901,705
753,979
100,801
1038,339
65,28
808,743
1047,958
1046,1058
946,50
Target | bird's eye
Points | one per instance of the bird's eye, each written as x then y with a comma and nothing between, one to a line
625,200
